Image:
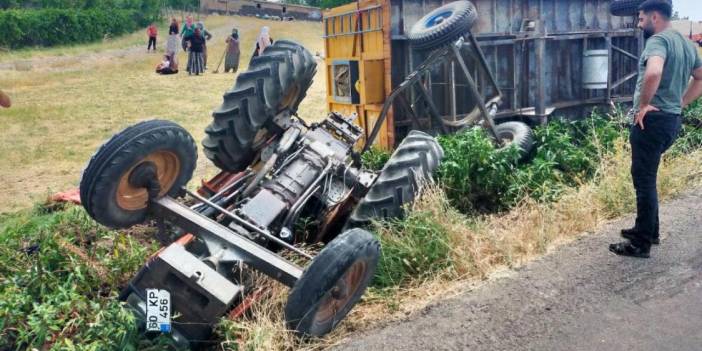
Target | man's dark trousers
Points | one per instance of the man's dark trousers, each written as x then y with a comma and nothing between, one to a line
647,145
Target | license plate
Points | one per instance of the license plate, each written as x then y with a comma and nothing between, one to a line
158,310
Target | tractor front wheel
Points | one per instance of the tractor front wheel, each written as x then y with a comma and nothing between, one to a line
333,283
147,160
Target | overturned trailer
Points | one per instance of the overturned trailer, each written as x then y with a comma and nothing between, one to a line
542,58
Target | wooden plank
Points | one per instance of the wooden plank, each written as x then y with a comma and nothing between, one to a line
387,52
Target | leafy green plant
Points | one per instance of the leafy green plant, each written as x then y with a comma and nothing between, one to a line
60,26
479,178
690,137
60,274
375,158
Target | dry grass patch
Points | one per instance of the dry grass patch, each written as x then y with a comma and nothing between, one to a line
64,109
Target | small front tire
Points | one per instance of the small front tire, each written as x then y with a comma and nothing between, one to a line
333,283
106,190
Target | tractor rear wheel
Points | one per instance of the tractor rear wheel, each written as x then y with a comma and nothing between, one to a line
408,169
109,191
276,81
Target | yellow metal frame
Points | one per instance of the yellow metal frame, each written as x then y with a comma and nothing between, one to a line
360,32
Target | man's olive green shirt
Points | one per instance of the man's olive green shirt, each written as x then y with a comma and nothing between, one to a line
681,58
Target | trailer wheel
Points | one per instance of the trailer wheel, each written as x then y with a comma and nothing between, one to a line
518,134
443,25
333,283
410,166
109,189
275,81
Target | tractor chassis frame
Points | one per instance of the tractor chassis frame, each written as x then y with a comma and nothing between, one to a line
200,288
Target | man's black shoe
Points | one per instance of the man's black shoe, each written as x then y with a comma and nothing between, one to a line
632,233
628,249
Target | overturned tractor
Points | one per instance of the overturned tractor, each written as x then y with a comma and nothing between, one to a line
276,171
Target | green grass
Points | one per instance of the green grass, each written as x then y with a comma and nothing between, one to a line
61,273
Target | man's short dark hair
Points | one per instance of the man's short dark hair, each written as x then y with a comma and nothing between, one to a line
663,7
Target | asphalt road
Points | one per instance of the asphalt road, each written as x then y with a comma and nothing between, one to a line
579,297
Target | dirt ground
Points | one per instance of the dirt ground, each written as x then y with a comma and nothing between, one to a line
580,297
67,101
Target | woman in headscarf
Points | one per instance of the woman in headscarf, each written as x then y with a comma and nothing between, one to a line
172,43
173,28
188,29
232,57
264,40
196,63
205,34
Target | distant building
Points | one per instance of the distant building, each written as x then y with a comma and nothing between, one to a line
262,9
685,27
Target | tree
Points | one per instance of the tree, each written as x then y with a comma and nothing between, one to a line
327,4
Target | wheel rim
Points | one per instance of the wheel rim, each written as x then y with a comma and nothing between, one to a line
506,138
167,167
339,296
438,18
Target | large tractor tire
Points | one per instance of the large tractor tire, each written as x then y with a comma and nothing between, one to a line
275,81
518,134
443,25
333,283
113,186
408,169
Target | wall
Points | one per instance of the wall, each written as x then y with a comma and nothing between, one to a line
253,8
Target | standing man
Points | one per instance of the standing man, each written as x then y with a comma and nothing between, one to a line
662,91
152,32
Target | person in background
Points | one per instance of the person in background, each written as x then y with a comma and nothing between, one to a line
168,65
173,28
196,42
231,61
264,40
152,32
187,31
207,36
670,78
172,42
5,100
